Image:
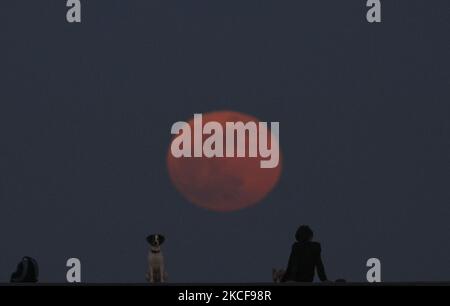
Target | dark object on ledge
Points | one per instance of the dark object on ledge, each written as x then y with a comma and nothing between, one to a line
27,271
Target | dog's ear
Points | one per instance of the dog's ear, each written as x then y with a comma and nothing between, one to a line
150,239
161,239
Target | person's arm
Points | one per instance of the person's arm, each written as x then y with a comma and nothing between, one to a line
320,268
290,268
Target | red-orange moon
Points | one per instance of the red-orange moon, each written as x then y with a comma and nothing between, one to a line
222,184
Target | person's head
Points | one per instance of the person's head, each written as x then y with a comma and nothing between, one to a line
304,234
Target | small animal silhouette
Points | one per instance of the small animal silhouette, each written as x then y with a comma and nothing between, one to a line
277,275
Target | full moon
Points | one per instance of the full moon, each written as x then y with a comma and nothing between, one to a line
223,184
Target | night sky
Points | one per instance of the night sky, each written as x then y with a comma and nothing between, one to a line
86,111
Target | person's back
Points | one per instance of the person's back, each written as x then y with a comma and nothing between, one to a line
305,258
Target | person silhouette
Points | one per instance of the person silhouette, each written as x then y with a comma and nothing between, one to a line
305,258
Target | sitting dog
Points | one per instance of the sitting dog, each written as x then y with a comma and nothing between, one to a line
156,272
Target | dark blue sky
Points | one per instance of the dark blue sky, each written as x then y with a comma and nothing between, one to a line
86,111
